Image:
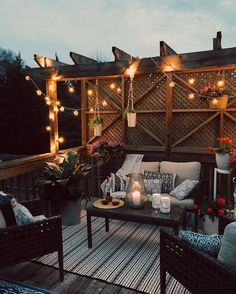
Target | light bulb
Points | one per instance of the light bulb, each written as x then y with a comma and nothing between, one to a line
62,108
191,96
58,102
71,89
55,109
112,86
61,140
220,83
51,116
90,92
214,101
48,128
104,103
91,110
191,81
75,112
27,78
39,92
46,98
48,102
171,84
118,90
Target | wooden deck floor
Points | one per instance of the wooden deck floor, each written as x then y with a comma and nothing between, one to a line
48,278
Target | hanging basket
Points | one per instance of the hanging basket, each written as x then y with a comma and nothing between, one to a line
221,103
97,130
131,118
222,161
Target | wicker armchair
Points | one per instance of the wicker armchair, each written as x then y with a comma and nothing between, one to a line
23,242
194,269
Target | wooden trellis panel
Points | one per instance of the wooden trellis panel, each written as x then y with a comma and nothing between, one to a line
192,126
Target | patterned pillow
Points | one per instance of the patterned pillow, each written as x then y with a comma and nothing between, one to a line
153,185
208,243
168,180
118,184
22,214
182,191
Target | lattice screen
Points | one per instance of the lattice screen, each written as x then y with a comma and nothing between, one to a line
194,125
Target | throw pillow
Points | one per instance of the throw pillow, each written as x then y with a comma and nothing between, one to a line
227,254
118,183
105,187
153,185
6,208
182,191
132,164
168,180
207,243
22,214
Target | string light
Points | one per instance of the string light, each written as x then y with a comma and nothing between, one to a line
191,81
61,140
112,86
71,89
58,102
38,92
220,83
104,103
91,110
51,116
55,109
48,102
27,78
48,128
214,101
62,109
47,98
90,92
75,112
118,90
191,96
171,84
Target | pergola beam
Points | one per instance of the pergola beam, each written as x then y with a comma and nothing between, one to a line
121,55
81,59
166,50
43,61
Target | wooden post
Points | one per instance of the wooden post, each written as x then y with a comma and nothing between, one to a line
51,90
123,109
84,104
169,115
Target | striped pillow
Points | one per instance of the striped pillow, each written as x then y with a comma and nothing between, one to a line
118,184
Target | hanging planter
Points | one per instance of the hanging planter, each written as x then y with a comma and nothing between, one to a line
219,103
130,113
97,124
131,119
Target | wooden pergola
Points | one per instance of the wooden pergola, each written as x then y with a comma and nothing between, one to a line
183,65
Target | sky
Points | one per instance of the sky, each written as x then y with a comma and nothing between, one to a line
90,26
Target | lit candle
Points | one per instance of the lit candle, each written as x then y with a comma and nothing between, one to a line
165,204
136,195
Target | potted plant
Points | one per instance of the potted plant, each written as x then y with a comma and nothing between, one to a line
222,152
131,116
211,211
64,185
216,95
97,124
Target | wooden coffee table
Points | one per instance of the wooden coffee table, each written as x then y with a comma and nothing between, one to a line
145,215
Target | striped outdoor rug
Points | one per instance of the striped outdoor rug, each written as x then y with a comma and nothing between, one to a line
127,255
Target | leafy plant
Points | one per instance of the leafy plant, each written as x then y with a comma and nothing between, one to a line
128,110
62,178
95,121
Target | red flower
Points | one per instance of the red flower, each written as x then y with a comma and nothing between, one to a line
210,149
221,211
209,210
220,202
195,207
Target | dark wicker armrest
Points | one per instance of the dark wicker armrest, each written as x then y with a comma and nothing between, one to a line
196,270
34,206
24,242
196,193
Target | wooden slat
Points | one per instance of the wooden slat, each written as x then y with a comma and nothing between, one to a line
189,86
166,50
169,114
121,55
147,131
84,105
123,109
81,59
43,61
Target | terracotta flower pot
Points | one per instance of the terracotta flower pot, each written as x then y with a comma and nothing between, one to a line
221,102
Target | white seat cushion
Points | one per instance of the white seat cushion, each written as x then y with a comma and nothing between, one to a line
39,217
187,203
183,170
151,166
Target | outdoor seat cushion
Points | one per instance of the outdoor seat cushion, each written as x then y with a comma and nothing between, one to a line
151,165
183,170
187,203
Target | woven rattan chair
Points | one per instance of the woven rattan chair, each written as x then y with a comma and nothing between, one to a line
194,269
23,242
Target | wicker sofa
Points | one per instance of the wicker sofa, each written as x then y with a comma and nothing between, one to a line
197,271
21,243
